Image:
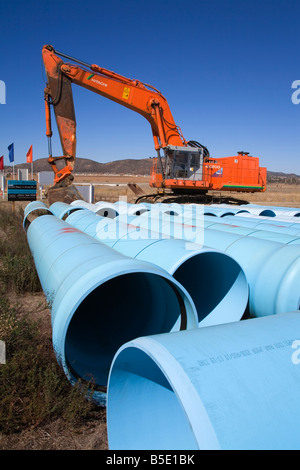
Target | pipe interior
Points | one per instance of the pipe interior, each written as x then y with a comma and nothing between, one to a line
114,313
69,212
35,213
267,213
107,212
208,278
143,410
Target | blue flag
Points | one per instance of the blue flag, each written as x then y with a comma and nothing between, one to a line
11,153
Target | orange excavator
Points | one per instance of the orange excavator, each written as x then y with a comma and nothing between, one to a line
180,167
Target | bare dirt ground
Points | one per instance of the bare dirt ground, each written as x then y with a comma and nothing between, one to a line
92,435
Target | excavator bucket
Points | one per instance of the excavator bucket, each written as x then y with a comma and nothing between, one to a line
65,194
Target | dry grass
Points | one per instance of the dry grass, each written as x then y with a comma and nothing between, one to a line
39,409
277,194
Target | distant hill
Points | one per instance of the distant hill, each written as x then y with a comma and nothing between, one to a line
140,166
279,177
85,165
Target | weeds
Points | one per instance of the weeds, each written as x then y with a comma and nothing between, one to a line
33,388
17,270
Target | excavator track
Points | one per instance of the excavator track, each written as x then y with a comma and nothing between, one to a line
189,199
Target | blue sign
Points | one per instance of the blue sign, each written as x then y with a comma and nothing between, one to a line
21,190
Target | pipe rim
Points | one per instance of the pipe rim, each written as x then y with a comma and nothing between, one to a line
185,394
63,316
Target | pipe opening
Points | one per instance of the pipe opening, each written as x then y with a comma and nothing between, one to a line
69,212
147,414
107,212
267,213
31,216
228,214
210,278
114,313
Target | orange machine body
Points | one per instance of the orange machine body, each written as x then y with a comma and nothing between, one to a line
184,165
240,173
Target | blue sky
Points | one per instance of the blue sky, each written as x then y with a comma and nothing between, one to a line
226,68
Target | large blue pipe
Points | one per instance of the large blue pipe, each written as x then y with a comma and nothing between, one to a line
276,235
176,224
266,225
278,210
226,387
235,223
103,209
100,299
131,209
257,210
272,268
269,211
222,212
63,210
215,281
285,219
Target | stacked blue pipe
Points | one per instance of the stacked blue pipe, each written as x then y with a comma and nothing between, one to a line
272,268
230,386
278,210
265,225
100,299
130,209
215,281
226,387
103,209
277,235
255,210
260,224
269,211
63,210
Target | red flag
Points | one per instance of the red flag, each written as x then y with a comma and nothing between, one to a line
29,155
1,163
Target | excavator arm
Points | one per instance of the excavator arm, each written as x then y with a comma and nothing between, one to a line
133,94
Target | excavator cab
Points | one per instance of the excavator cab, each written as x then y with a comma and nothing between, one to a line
184,163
